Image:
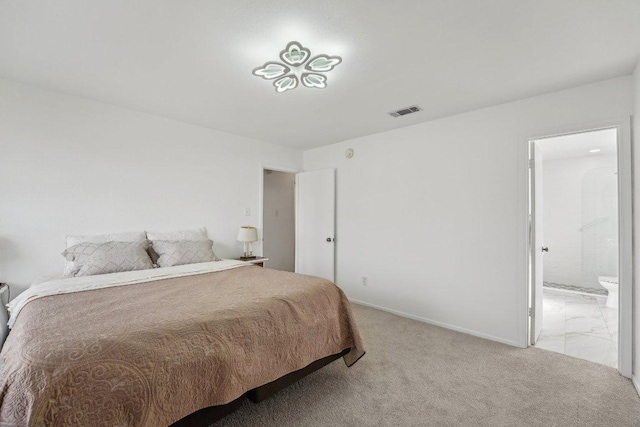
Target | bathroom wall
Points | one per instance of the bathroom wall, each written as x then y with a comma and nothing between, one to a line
578,191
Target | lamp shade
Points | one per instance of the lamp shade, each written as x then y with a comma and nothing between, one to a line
248,234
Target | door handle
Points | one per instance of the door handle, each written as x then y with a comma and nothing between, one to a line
329,239
545,249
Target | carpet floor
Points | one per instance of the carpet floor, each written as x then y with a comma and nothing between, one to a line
415,374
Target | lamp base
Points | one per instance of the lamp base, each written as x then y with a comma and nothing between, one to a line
247,257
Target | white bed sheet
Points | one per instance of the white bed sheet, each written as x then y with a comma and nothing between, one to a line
67,285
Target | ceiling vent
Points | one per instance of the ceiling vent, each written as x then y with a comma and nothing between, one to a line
405,111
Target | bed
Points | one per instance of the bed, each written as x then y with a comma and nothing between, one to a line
179,345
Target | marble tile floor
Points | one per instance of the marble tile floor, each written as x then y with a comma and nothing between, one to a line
580,326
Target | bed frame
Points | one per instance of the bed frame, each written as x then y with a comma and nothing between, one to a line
205,417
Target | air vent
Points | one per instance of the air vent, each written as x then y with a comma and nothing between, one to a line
405,111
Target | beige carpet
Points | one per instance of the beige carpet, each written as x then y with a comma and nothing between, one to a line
416,374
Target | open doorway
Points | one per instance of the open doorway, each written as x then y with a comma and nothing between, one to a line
278,217
575,206
597,260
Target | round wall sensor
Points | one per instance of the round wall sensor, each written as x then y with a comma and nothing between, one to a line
348,153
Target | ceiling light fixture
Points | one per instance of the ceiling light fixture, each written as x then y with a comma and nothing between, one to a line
297,67
596,150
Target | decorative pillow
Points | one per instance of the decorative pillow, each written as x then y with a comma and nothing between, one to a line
196,234
134,236
179,252
110,257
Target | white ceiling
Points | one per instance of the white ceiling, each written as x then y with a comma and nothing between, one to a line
579,144
192,60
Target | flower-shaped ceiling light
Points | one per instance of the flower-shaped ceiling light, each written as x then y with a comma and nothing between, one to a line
296,68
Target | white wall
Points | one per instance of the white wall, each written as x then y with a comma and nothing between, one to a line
72,166
279,220
431,213
571,188
636,220
435,214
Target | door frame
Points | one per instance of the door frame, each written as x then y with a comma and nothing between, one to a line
264,167
625,232
534,246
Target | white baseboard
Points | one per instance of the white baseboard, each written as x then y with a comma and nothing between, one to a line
636,383
441,324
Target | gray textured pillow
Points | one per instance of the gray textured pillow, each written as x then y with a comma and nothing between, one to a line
110,257
197,234
179,252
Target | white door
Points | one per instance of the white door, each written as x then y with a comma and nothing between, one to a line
537,244
315,223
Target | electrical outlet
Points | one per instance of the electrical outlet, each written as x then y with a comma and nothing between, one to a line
247,211
364,281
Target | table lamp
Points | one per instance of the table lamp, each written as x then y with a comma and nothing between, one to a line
247,235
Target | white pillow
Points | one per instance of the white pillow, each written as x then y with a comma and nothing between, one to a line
132,236
194,235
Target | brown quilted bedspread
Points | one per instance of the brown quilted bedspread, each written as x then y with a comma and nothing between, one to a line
152,353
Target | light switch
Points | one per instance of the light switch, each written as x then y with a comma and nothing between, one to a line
247,211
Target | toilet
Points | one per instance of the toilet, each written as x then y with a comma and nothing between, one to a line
611,285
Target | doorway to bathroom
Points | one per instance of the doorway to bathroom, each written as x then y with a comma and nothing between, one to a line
574,245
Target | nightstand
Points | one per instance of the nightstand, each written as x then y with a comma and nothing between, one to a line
259,260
